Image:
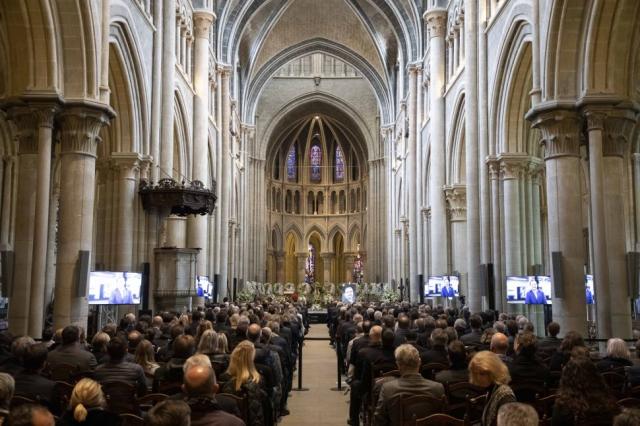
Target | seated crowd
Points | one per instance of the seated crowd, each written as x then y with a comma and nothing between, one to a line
225,365
415,364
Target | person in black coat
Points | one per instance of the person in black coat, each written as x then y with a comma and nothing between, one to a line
526,369
438,351
618,355
31,384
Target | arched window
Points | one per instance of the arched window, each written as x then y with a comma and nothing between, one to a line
316,162
338,175
292,169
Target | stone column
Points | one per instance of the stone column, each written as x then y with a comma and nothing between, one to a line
618,131
302,258
127,166
279,266
9,162
636,197
595,127
426,233
44,115
51,246
470,50
197,225
496,242
19,300
157,92
436,21
224,197
512,167
561,138
397,260
535,171
412,179
80,126
168,77
327,262
457,207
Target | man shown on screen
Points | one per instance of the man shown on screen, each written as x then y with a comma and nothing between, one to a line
535,296
121,295
589,296
447,290
348,295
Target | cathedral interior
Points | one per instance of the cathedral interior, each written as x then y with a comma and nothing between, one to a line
482,139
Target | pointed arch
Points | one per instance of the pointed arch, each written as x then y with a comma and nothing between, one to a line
456,155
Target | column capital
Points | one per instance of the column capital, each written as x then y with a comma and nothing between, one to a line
127,163
494,167
618,132
224,70
513,165
202,21
534,169
426,212
25,122
436,20
397,232
80,127
456,196
414,67
560,130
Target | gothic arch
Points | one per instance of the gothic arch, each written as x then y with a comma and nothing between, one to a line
354,237
456,170
317,230
181,140
295,230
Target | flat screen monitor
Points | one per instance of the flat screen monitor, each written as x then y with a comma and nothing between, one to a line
589,290
529,290
203,286
348,294
442,285
114,288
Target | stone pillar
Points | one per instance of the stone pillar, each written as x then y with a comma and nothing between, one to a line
327,263
535,171
302,258
7,199
127,166
80,126
51,246
618,131
436,21
412,180
561,137
19,301
224,197
156,93
457,208
197,225
279,266
397,260
44,115
470,50
512,168
496,242
168,77
595,127
636,192
104,58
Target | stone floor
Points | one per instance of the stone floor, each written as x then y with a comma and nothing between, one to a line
319,405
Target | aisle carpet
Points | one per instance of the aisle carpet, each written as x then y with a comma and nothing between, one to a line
319,405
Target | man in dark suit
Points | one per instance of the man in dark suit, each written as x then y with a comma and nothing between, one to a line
438,348
550,344
410,383
118,369
361,376
526,369
403,329
473,338
70,352
30,383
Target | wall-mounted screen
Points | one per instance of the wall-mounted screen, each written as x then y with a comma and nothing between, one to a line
203,286
529,290
589,290
444,286
114,288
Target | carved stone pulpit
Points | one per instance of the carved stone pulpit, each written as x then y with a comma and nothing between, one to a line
175,271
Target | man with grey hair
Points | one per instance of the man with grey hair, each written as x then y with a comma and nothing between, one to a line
517,414
7,387
410,382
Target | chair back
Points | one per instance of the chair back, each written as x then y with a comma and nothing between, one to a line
439,420
146,402
458,394
63,372
417,406
475,406
131,420
62,391
19,400
629,403
544,406
429,370
121,397
169,387
616,383
529,390
241,402
634,392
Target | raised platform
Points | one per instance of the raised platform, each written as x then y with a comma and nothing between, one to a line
318,316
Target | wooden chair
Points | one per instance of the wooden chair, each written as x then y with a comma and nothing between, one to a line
418,406
121,397
429,370
440,420
146,402
63,373
457,396
19,400
377,371
544,406
633,392
475,406
529,391
629,403
392,373
131,420
169,387
241,402
616,383
63,392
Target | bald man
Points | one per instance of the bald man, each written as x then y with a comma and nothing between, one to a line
500,346
200,387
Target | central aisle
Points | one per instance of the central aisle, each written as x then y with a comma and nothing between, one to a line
319,405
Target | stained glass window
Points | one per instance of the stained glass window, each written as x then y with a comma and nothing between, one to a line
292,169
339,170
316,162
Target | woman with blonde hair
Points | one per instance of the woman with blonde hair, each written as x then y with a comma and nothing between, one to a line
99,346
87,406
618,355
242,379
202,327
487,370
145,358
